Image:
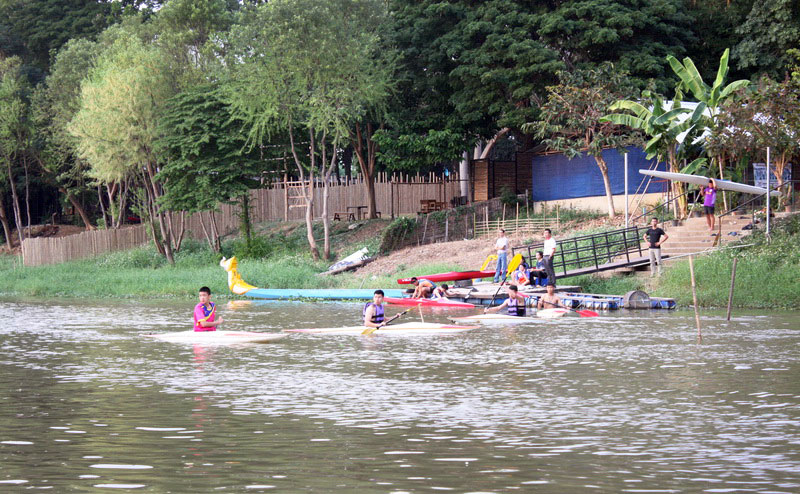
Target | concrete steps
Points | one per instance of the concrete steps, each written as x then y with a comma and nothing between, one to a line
692,235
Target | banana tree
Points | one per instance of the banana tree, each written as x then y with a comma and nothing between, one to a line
712,96
670,127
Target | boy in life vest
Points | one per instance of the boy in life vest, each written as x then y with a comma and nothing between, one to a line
373,311
520,275
515,303
205,312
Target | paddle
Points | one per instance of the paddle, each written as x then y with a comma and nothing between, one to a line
369,331
495,293
582,313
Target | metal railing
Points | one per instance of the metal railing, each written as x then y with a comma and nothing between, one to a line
595,249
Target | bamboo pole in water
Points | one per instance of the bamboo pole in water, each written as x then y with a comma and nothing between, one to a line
694,299
730,292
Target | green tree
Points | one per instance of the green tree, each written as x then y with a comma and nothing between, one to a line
302,69
117,125
43,26
55,104
669,130
15,134
767,115
635,35
770,30
712,96
571,120
206,163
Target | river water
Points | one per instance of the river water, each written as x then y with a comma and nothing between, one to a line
626,402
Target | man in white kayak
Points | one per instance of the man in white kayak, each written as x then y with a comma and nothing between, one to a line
515,303
205,312
373,311
550,300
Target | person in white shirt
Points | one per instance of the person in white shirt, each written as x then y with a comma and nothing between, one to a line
501,246
549,252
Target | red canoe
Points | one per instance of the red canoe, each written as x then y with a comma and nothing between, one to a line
451,276
427,302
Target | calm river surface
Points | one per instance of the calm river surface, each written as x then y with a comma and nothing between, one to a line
627,402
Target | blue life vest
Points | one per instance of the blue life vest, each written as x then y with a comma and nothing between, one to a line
516,308
377,316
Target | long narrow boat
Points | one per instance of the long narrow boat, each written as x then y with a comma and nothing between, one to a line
466,275
405,329
493,318
427,302
217,337
451,276
555,313
240,287
701,180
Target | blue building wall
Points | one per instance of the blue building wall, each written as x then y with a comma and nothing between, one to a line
556,177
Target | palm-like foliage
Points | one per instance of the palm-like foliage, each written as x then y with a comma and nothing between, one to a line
670,128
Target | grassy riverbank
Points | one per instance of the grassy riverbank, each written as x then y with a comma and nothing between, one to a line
768,274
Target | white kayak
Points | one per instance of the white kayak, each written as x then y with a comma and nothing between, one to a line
492,318
554,313
405,329
217,337
701,180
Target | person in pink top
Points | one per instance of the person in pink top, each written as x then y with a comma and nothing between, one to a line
709,198
205,312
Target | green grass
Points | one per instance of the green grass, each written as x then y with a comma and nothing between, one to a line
767,274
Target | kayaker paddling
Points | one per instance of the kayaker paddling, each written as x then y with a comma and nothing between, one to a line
515,303
374,311
205,312
550,300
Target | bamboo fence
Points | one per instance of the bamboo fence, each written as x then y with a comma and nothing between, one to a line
394,195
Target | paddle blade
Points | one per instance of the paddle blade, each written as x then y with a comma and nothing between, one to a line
368,331
587,313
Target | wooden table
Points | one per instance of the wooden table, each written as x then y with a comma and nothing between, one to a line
357,210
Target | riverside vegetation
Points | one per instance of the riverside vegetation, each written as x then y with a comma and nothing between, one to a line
768,272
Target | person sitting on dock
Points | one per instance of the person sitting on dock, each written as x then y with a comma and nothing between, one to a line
550,300
515,303
520,275
422,288
205,312
538,273
373,311
441,292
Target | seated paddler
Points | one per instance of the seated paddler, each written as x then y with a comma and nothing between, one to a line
373,311
205,312
515,303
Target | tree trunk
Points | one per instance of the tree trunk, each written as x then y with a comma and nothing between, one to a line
244,218
681,201
211,243
77,205
6,229
366,164
326,176
102,206
27,195
157,213
15,203
309,196
780,165
601,164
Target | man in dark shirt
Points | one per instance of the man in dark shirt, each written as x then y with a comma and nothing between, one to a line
653,236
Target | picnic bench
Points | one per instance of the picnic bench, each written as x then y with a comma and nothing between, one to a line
430,205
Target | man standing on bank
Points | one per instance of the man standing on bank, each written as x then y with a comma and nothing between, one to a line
502,255
653,236
549,252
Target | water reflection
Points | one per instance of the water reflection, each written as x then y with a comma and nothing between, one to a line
621,403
